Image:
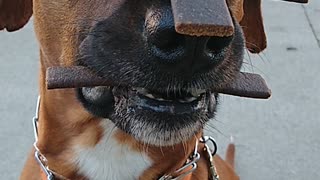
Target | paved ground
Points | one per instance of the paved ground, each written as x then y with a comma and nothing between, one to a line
276,139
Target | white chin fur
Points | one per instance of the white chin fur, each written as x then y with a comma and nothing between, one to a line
151,135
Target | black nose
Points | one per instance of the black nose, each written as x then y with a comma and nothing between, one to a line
181,52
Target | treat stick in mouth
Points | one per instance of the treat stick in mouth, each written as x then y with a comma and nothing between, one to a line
245,85
73,77
248,85
202,17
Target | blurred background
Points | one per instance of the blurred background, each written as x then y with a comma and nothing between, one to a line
275,139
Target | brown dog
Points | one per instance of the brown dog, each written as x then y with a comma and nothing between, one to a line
126,132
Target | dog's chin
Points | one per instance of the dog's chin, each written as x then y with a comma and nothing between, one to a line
152,117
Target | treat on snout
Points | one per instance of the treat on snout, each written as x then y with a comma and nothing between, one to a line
202,18
245,85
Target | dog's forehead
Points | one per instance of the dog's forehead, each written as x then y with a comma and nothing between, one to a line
106,5
201,18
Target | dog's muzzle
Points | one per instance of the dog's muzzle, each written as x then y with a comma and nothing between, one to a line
166,79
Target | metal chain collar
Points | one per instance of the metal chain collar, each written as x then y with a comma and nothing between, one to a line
41,159
189,167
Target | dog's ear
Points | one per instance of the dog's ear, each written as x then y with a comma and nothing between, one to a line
236,8
252,25
14,14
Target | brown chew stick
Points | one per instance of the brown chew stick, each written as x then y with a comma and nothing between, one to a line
202,17
72,77
246,85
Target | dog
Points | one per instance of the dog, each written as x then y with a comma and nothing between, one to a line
130,132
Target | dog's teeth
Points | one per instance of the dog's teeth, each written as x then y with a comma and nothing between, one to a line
197,92
150,96
160,99
190,99
187,100
142,91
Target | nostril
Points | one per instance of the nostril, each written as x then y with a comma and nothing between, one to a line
168,53
166,40
217,44
161,38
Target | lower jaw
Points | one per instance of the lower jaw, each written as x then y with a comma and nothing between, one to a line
160,124
164,130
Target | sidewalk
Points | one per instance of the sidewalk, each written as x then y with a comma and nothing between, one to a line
275,139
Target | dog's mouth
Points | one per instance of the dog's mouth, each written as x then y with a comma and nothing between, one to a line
159,117
172,102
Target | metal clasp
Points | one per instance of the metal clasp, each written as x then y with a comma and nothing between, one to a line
206,139
192,163
43,164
